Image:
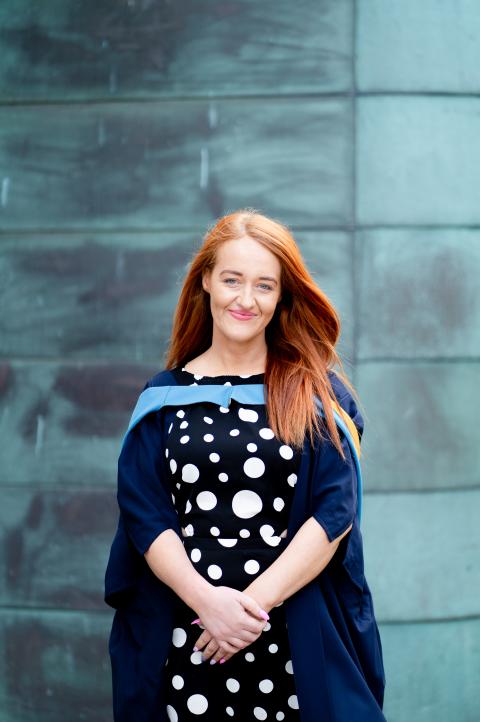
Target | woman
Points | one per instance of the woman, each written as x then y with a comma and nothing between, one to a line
238,542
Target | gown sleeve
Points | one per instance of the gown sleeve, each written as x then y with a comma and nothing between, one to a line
334,492
144,494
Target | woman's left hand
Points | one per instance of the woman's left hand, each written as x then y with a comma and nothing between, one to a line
210,647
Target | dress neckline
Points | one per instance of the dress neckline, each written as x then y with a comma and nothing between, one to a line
199,376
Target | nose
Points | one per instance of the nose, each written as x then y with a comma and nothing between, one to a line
245,297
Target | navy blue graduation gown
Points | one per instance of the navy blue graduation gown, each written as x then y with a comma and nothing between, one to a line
334,639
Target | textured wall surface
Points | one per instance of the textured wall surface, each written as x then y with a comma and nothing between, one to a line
125,129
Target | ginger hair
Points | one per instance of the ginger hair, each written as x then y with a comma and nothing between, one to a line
301,336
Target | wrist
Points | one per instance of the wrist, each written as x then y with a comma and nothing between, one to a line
197,592
262,595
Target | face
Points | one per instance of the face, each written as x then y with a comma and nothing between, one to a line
244,288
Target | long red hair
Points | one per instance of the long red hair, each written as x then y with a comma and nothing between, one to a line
300,337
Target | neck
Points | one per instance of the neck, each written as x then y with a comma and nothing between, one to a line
233,361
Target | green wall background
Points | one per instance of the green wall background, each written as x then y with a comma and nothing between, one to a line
125,129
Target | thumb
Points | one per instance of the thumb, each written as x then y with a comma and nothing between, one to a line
254,608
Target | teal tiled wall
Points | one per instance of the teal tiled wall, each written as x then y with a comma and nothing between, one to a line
125,130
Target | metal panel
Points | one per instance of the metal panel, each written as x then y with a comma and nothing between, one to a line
63,424
113,295
423,551
176,164
418,46
419,294
418,160
163,49
421,425
54,667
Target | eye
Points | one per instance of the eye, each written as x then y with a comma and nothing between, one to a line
265,285
230,279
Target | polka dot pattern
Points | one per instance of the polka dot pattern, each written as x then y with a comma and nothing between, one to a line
286,452
246,503
206,500
293,701
260,713
252,566
234,484
197,703
190,473
233,685
171,713
177,681
266,685
254,467
247,414
214,571
179,637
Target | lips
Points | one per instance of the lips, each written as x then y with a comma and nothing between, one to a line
242,316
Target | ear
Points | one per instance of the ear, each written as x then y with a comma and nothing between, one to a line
206,281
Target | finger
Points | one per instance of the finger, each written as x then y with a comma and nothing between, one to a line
253,607
203,639
209,650
219,654
224,651
237,643
229,648
252,624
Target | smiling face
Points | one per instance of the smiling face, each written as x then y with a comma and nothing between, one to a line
244,288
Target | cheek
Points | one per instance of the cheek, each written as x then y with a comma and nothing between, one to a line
270,307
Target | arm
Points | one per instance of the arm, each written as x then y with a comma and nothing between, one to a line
285,576
233,616
152,524
333,506
334,499
302,560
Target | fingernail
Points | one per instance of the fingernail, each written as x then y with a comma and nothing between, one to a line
212,661
195,621
222,660
195,649
264,614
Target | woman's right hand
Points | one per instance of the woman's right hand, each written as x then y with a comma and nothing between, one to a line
231,617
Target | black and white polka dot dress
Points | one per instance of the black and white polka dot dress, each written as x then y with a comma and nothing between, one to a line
234,484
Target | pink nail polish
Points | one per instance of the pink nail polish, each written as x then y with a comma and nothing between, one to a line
195,649
222,660
264,614
195,621
213,661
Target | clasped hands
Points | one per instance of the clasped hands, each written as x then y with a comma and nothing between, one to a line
232,620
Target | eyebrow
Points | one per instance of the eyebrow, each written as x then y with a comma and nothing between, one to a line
237,273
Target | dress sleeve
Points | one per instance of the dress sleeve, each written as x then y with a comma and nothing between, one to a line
143,493
334,488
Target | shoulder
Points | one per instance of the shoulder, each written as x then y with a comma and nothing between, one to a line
165,377
346,400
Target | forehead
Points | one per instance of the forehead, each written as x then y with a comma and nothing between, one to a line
247,256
